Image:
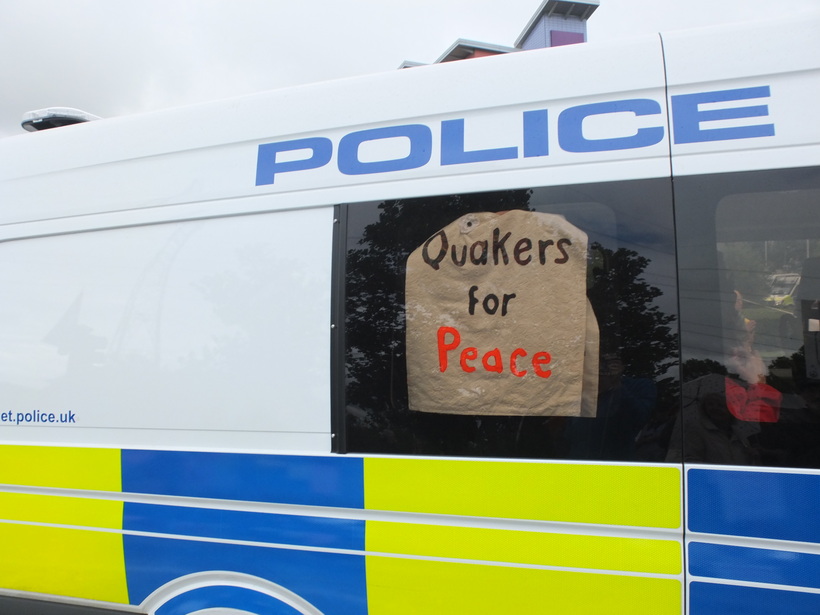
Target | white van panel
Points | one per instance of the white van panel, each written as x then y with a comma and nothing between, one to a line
183,328
719,59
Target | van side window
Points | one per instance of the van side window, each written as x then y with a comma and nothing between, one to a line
750,288
533,323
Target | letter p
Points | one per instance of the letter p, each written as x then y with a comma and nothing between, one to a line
320,148
444,346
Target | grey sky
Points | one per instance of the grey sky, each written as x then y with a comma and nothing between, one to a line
116,57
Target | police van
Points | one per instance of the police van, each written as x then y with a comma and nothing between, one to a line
477,337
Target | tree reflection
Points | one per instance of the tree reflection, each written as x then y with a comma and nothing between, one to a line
624,303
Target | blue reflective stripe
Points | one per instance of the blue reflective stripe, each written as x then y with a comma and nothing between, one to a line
757,504
235,525
283,479
333,582
754,565
241,599
709,598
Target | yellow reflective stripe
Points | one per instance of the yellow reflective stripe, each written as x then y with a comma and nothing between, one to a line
534,548
409,587
65,562
60,510
68,468
641,496
55,560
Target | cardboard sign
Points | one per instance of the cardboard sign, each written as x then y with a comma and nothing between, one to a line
498,322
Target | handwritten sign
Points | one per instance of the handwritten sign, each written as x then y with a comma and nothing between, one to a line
498,322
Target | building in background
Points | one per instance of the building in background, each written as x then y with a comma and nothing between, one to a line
555,23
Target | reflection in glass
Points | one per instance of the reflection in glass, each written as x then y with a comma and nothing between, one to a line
630,285
750,282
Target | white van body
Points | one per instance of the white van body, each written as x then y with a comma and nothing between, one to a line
171,296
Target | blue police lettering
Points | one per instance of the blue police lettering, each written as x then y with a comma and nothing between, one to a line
320,148
571,123
536,134
687,116
421,147
453,152
690,124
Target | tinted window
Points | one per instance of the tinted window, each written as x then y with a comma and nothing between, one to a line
750,284
494,331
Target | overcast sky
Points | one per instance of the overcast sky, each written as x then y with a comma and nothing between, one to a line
117,57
